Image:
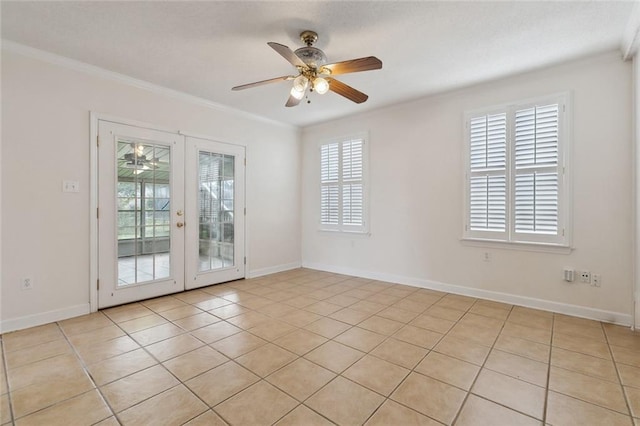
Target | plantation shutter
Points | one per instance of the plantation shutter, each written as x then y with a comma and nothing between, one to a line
487,177
517,182
342,185
536,190
329,179
352,186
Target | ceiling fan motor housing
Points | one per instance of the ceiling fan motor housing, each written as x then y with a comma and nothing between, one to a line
311,56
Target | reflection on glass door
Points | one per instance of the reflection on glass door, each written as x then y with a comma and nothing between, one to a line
216,221
143,200
214,202
141,231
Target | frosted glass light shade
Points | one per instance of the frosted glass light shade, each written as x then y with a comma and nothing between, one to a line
298,94
300,83
320,85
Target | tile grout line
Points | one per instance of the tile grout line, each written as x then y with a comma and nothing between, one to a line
265,378
411,370
6,379
587,374
98,388
615,365
74,352
466,397
351,326
159,363
546,388
83,368
336,374
86,370
297,357
188,332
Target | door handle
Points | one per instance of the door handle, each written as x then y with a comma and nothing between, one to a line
180,224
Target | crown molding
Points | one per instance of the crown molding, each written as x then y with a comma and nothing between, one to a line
52,58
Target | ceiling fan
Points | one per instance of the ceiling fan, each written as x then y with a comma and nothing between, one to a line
137,160
314,74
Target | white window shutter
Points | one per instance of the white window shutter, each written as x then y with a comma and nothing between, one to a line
329,174
487,201
352,198
329,162
536,203
536,170
329,205
487,190
488,142
352,188
517,182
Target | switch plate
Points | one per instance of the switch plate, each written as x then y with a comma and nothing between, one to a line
70,186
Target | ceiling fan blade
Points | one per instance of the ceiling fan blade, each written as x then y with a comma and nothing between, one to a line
260,83
292,101
354,65
288,54
347,91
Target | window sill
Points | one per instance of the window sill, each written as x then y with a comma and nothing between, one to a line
524,246
350,234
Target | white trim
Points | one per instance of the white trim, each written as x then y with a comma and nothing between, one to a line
209,138
635,195
34,320
11,46
255,273
529,302
517,245
93,210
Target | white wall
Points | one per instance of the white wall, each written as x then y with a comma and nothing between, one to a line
416,196
45,139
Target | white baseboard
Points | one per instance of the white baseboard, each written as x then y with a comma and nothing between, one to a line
255,273
529,302
27,321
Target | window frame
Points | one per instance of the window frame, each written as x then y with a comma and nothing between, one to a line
510,238
341,227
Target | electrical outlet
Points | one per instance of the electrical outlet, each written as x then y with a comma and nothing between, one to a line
585,277
487,256
596,280
26,283
70,186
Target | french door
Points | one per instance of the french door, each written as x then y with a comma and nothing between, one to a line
171,213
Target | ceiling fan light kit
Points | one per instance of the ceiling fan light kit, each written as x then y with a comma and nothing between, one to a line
314,74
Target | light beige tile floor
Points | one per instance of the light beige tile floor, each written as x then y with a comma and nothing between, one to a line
312,348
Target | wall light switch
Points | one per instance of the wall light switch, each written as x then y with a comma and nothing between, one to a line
70,186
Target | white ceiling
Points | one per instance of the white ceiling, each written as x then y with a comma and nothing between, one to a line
204,48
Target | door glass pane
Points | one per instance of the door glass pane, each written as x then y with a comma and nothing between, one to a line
215,204
143,202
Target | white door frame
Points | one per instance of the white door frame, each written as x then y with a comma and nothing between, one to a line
94,118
